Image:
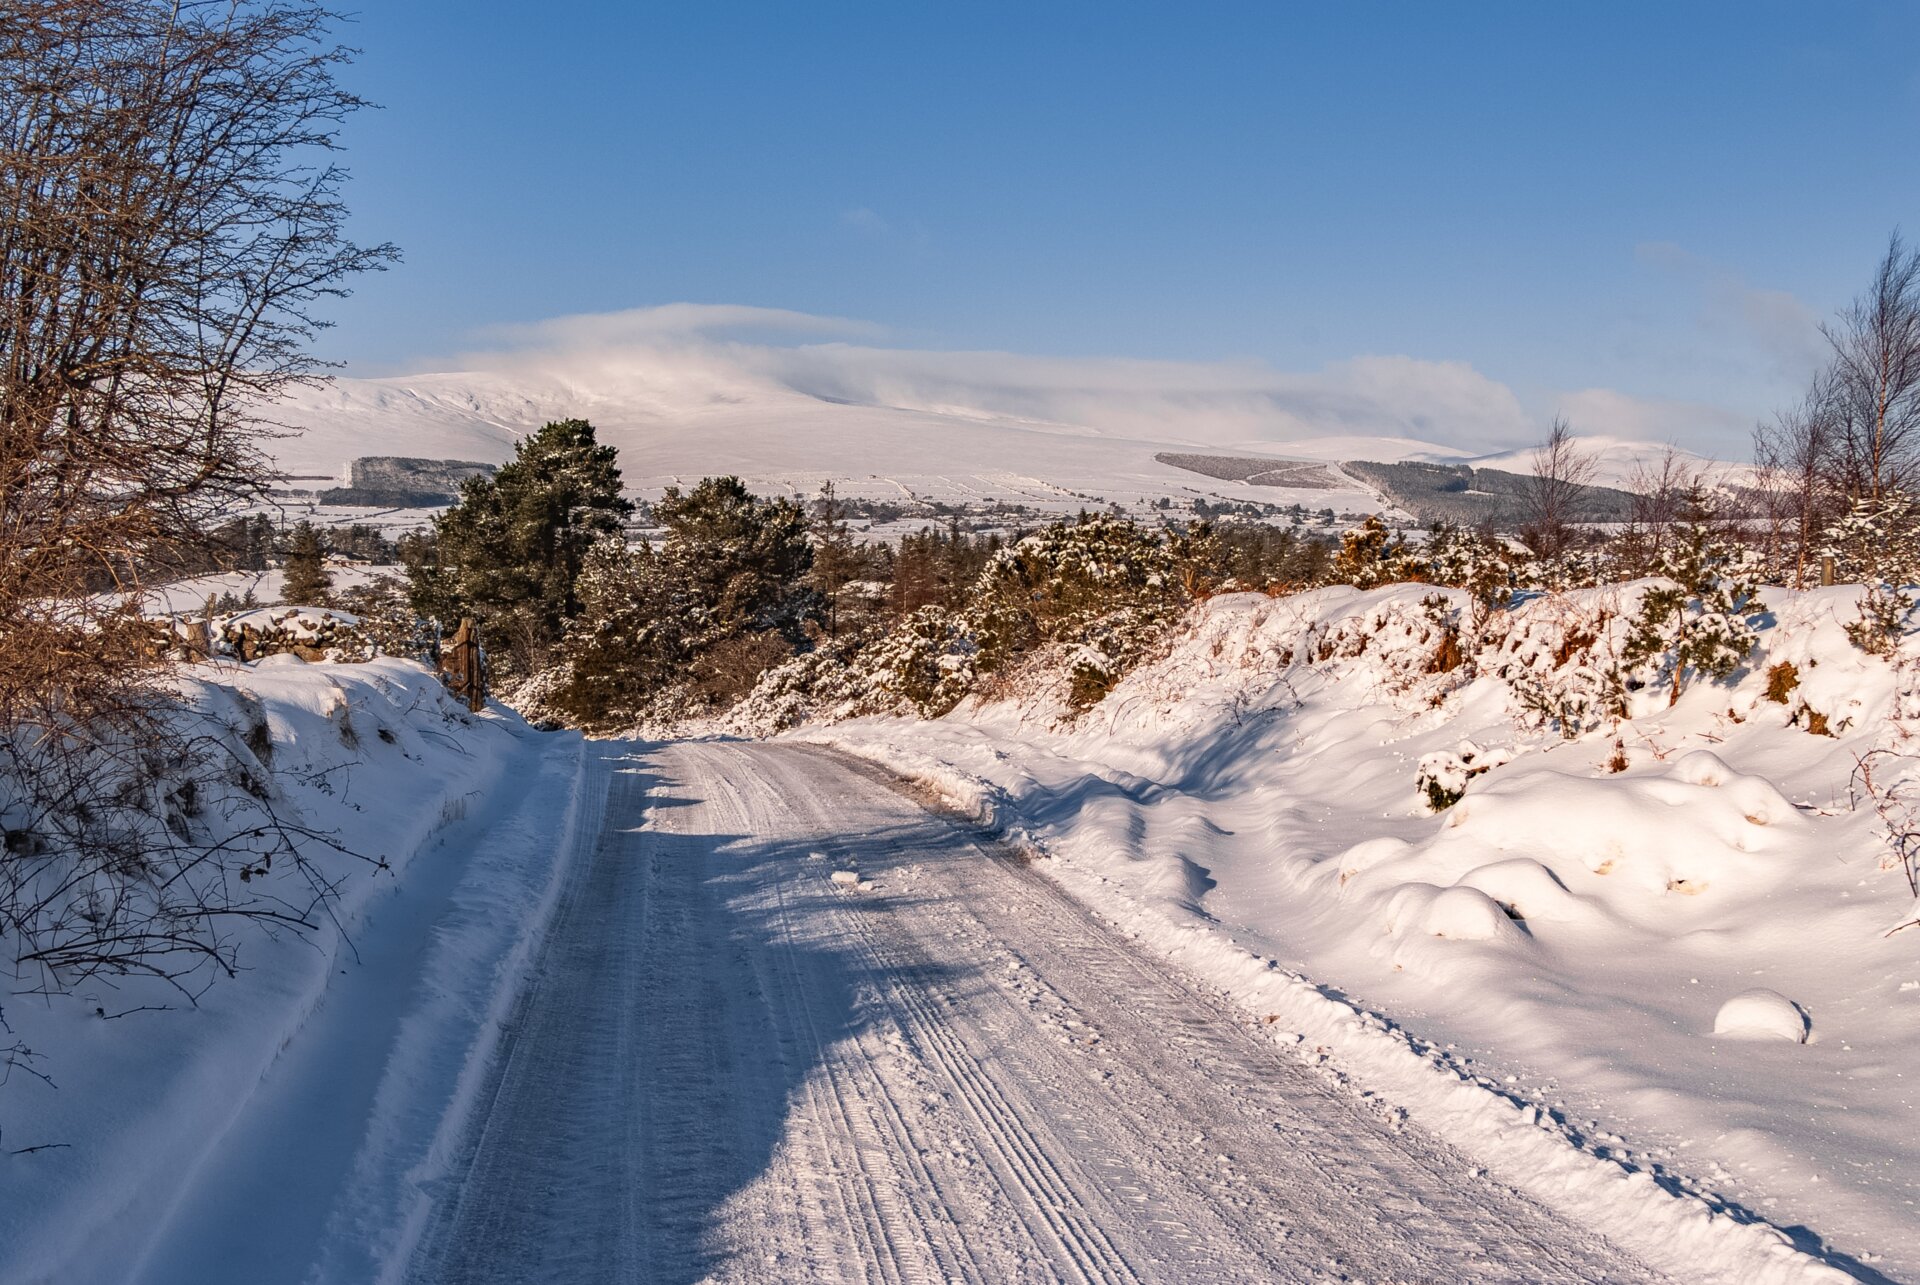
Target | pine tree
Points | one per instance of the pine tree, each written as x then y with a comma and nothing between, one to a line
739,562
305,579
511,551
724,597
837,557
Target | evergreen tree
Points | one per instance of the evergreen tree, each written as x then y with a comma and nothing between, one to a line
510,552
305,579
1878,542
737,562
724,597
837,558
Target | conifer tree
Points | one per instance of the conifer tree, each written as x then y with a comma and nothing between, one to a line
723,597
511,551
305,579
836,556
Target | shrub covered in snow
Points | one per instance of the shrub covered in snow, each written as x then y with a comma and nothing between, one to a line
1058,584
1700,621
925,663
1444,774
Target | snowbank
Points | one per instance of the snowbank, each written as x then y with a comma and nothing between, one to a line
372,760
1555,949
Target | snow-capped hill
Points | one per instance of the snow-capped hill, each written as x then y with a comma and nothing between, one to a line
1618,462
673,426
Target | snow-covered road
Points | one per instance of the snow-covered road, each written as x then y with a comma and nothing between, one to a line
729,1066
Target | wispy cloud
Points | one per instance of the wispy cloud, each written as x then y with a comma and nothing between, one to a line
1608,413
873,226
683,356
1777,323
863,219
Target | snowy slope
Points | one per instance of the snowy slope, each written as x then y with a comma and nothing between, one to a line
1617,462
1572,941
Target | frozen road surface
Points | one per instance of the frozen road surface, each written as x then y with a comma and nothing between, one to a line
732,1066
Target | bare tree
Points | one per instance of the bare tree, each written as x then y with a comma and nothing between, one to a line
170,214
1793,459
1871,389
1561,470
1662,489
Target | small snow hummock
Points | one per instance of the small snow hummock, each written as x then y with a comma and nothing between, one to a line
847,878
1761,1014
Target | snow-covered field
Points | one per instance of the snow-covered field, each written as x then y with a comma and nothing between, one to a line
1621,965
268,588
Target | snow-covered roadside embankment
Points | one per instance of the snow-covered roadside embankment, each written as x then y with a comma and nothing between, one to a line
375,761
1536,973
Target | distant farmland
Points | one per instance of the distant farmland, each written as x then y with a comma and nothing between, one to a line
1293,474
1430,492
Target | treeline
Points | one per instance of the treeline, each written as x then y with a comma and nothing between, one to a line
741,598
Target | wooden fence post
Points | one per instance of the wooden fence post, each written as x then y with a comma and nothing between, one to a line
1826,569
461,663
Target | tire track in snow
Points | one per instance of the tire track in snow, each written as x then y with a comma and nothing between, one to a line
1052,1205
1409,1184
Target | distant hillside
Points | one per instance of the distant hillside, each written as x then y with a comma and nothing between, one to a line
403,482
1470,496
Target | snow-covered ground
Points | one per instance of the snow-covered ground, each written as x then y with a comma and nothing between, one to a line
161,1119
1538,972
1629,1007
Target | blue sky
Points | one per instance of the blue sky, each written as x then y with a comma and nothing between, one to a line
1654,201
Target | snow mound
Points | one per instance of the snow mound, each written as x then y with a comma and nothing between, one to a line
1467,914
1761,1014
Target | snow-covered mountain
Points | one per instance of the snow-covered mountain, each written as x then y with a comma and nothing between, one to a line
674,427
679,415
